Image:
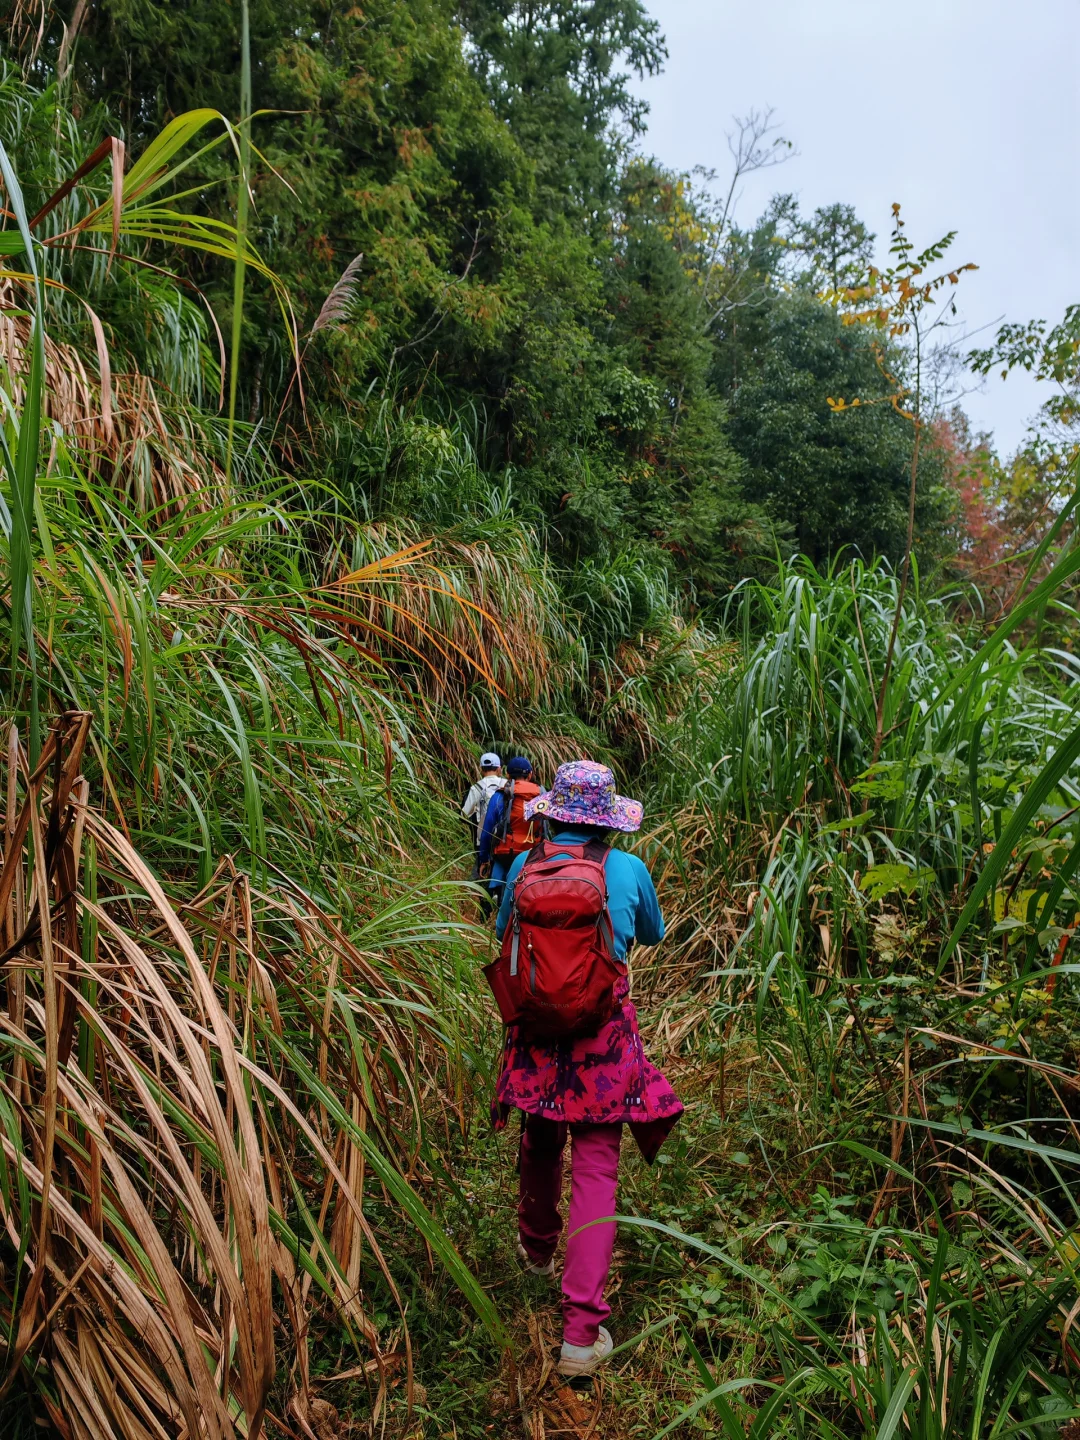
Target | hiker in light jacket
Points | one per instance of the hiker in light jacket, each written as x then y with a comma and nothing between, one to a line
474,810
588,1086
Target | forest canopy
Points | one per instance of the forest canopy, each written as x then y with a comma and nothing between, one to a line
638,370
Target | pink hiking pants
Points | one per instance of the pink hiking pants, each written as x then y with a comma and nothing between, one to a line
594,1170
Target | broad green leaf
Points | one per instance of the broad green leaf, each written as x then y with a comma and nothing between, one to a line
1035,796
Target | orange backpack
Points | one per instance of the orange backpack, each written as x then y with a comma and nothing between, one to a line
516,834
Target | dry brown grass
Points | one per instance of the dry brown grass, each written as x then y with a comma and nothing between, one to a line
473,600
115,421
156,1132
452,615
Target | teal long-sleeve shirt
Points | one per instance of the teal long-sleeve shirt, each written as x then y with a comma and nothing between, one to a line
632,903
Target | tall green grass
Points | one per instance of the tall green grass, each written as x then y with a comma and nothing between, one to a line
892,941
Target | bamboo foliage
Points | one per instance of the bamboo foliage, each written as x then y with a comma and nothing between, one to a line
119,420
783,838
138,214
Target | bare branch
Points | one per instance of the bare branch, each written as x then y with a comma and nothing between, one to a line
752,150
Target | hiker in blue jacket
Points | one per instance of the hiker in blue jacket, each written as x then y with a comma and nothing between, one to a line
506,833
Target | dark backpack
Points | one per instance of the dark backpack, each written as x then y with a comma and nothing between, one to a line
498,839
556,972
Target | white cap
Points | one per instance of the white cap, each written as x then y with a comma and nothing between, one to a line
490,761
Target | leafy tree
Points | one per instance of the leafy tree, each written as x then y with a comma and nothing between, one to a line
457,176
1050,354
688,493
382,143
835,479
377,142
904,301
836,247
554,74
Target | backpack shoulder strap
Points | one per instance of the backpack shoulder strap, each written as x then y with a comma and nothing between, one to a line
533,856
598,852
545,849
508,800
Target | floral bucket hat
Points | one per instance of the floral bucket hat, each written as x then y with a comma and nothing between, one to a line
583,793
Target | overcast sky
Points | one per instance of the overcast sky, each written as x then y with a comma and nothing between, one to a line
964,111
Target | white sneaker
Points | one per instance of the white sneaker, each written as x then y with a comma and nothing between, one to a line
546,1272
584,1359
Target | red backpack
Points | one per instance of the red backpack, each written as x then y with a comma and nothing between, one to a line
556,973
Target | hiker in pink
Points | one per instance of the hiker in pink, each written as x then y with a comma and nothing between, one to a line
590,1086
